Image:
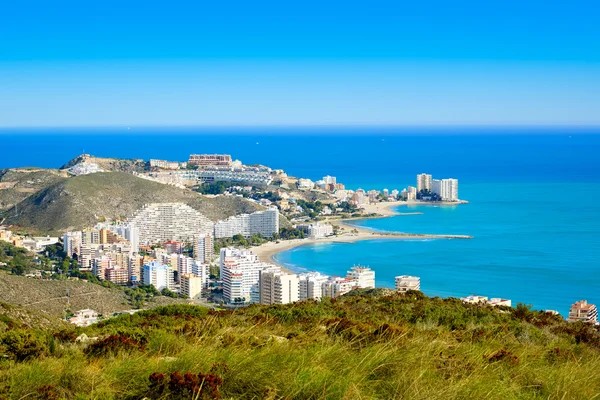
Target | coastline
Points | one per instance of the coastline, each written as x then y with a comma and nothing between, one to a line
266,252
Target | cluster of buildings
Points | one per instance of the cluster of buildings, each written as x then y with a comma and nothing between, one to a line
246,279
36,243
328,183
119,252
446,189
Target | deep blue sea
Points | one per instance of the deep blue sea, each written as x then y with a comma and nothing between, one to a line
534,197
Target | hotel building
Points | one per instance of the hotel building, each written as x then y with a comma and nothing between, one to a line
72,243
316,230
161,222
192,286
264,222
405,283
204,160
583,311
158,275
204,248
240,273
277,287
447,189
363,276
423,182
311,285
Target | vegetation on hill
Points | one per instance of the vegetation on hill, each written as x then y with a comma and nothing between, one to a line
16,184
367,344
78,202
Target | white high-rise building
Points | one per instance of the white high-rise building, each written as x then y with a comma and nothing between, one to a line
364,277
202,271
264,222
337,286
240,273
277,287
204,248
159,275
447,189
423,182
405,283
72,243
311,285
185,265
159,222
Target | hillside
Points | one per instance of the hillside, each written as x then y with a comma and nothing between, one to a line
49,296
16,184
15,317
365,345
79,202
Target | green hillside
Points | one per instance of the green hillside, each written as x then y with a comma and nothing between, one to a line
365,345
79,202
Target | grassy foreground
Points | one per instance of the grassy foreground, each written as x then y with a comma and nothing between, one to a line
366,345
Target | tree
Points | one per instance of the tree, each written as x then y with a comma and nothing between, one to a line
64,269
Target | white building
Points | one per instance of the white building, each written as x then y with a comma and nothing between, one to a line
329,180
185,265
277,287
305,184
405,283
474,299
159,275
311,285
264,222
316,230
204,248
84,168
363,276
72,243
423,182
240,273
496,301
447,189
159,222
337,286
85,317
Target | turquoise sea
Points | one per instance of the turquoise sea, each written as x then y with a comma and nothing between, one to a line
533,243
534,197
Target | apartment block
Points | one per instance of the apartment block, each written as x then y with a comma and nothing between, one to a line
204,248
423,182
160,222
264,222
191,286
277,287
583,311
405,283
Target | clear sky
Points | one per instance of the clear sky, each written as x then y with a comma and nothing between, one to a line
128,62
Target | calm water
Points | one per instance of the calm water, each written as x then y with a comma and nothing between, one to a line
534,197
531,244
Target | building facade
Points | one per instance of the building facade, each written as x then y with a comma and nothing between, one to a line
405,283
264,222
424,182
160,222
583,311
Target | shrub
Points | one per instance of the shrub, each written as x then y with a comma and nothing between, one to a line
186,386
113,345
22,345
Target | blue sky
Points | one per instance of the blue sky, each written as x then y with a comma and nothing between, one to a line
133,63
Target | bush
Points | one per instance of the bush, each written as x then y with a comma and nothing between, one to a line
22,345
